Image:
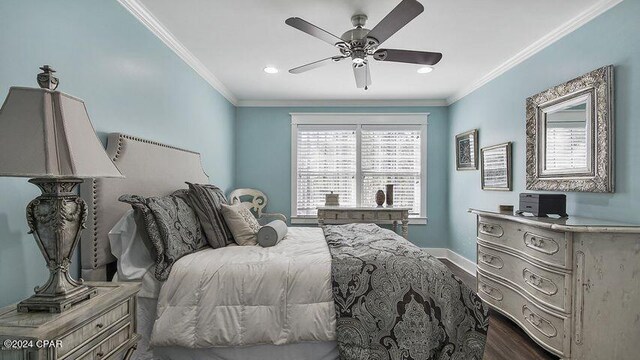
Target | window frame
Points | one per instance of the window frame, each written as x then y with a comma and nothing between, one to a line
395,120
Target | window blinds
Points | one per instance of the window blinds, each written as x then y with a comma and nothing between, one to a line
326,161
391,156
566,146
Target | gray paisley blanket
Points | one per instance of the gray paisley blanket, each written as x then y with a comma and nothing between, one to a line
394,301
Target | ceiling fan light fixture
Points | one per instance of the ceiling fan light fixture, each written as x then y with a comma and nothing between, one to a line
425,69
358,60
270,70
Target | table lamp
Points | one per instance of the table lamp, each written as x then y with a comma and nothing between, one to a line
47,136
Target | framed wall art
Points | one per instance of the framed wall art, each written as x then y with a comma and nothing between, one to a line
467,150
496,167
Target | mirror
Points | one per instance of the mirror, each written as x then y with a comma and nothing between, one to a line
570,135
567,141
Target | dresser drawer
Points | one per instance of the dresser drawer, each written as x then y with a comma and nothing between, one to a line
388,215
334,215
362,215
110,345
551,330
93,328
549,247
544,284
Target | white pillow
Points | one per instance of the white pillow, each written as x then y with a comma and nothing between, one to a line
243,225
134,258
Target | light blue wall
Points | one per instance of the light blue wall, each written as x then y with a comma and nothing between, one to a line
131,83
263,149
498,111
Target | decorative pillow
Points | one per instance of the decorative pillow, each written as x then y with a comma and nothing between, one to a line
272,233
172,227
206,201
242,223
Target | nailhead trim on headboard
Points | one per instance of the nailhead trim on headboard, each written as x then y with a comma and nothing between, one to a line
94,185
129,137
94,189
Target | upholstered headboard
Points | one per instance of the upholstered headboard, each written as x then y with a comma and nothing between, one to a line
150,169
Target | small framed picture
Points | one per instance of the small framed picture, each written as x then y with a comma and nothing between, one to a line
467,150
496,167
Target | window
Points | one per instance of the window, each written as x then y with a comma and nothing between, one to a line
355,155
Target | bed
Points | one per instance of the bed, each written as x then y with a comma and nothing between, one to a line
152,169
355,291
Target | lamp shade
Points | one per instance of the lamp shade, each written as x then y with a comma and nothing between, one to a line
45,133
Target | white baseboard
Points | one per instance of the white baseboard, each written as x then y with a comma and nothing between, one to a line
459,260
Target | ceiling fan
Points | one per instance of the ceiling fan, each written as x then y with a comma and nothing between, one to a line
360,43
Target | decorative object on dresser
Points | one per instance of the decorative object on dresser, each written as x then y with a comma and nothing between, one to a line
256,201
467,150
505,209
389,194
103,327
46,135
571,283
496,167
570,135
332,199
346,215
542,205
380,198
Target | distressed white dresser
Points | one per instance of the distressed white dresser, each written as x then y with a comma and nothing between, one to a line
572,284
103,327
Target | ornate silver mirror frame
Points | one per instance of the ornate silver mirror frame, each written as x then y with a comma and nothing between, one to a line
592,93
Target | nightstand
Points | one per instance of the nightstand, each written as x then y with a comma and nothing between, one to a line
103,327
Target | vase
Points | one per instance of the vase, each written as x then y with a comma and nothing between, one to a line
389,195
380,198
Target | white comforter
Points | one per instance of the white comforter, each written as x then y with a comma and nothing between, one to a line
246,295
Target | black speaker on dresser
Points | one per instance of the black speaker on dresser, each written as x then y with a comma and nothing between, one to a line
543,205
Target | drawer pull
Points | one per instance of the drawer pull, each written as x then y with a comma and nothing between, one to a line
99,325
541,243
540,283
544,326
491,260
490,229
100,354
491,292
535,280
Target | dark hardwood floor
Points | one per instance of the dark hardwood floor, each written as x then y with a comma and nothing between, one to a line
505,341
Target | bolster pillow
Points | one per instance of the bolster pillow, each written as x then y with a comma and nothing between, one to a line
272,233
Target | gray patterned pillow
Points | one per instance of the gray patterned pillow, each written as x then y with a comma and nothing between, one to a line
206,201
172,227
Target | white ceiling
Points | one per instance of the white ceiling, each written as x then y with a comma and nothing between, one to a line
236,39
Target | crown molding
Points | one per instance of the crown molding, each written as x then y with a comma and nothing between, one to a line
555,35
140,12
340,103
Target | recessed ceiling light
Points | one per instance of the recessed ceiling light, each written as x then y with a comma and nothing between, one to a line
425,70
270,70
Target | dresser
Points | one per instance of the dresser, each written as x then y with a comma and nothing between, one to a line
573,285
375,215
103,327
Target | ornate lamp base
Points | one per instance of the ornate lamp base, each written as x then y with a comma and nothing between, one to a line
57,304
56,219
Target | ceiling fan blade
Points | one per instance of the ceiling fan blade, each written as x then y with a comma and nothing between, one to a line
408,56
362,74
406,11
315,64
312,30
